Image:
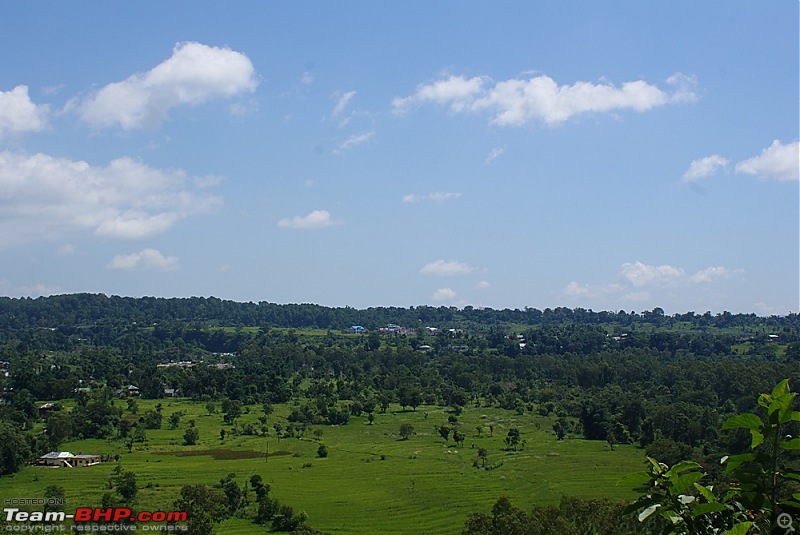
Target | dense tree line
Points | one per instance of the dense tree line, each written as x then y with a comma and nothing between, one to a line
89,310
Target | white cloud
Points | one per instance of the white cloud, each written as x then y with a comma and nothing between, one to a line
443,294
575,289
438,196
150,259
457,91
515,102
442,268
483,285
704,167
493,155
47,197
307,78
341,102
713,273
776,162
640,274
354,141
194,74
314,220
19,114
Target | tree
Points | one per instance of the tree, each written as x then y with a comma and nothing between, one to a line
444,431
54,497
126,485
203,506
764,477
512,438
175,419
14,450
482,453
406,430
458,437
191,436
232,410
152,419
322,451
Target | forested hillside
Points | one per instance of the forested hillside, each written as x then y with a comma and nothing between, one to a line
663,383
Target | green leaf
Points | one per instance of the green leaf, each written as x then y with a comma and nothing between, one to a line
704,508
658,468
682,466
756,439
740,528
647,512
681,483
781,389
635,479
793,444
734,461
705,492
745,421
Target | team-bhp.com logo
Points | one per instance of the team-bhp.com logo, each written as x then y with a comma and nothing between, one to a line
88,519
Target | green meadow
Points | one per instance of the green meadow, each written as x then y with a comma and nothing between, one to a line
372,481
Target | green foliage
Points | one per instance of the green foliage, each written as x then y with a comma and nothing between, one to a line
204,507
406,430
322,451
14,449
191,436
762,478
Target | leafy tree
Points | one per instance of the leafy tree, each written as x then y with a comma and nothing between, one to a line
764,475
14,450
204,506
512,438
444,431
54,497
152,419
191,436
459,437
406,430
175,419
126,485
322,451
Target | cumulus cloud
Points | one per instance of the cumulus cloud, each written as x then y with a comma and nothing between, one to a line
705,167
48,197
18,114
438,196
443,294
640,274
147,259
314,220
713,273
776,162
640,278
194,74
354,141
456,91
515,102
483,285
443,268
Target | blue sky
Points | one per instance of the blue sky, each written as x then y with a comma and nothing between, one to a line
614,155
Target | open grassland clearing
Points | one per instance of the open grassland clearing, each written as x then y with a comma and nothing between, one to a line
372,481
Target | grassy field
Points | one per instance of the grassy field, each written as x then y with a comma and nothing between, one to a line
371,482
